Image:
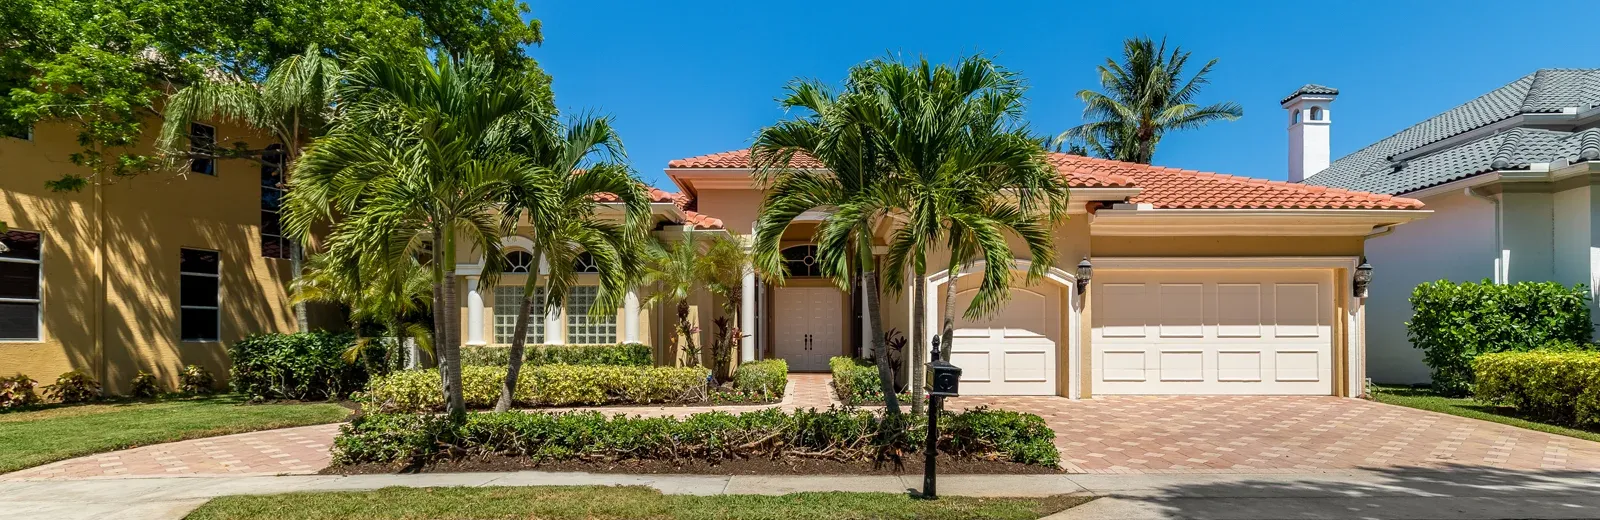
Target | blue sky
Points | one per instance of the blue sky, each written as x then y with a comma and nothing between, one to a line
690,78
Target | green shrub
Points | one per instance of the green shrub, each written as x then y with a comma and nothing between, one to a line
18,391
626,354
547,385
196,380
302,366
1558,387
843,435
74,387
144,385
1454,323
855,381
766,378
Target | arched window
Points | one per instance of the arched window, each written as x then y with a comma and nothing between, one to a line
1295,118
518,262
584,263
1316,113
802,261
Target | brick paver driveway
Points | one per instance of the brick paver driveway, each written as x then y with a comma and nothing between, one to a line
1265,434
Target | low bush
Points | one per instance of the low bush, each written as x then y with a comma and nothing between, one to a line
144,385
196,380
18,391
303,366
1557,387
1453,323
856,382
835,434
73,387
626,354
766,378
547,385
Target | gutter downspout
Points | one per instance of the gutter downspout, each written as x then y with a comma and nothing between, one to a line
104,369
1500,270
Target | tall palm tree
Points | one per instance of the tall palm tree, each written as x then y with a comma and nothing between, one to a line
417,166
1143,98
672,272
839,130
293,106
560,199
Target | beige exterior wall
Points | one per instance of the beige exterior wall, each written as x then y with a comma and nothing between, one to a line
136,226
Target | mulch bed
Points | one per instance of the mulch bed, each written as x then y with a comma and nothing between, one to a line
947,465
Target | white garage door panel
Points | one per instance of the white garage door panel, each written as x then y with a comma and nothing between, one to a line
1014,351
1213,332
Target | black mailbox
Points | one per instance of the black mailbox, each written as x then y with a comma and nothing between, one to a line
946,379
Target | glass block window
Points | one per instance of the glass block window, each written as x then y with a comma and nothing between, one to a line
199,295
273,245
20,291
507,301
583,329
202,145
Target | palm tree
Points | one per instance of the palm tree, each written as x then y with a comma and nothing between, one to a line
1144,97
293,106
673,271
390,299
722,269
839,131
560,200
417,166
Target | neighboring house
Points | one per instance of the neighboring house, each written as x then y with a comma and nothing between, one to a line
146,273
1509,177
1201,284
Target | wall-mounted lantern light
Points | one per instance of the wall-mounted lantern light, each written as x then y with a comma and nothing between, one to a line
1085,272
1363,278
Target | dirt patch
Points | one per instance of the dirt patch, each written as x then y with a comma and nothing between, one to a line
947,466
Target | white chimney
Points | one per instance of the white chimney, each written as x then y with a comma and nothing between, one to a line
1309,121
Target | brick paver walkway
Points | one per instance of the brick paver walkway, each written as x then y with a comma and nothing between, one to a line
1265,434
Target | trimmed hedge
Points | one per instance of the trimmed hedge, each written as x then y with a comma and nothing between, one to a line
626,354
547,385
766,378
842,435
1454,323
1558,387
856,381
303,366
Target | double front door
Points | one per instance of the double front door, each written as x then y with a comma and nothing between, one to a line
808,326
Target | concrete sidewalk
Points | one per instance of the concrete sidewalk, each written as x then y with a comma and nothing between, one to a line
1469,493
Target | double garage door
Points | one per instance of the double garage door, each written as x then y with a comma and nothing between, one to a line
1213,332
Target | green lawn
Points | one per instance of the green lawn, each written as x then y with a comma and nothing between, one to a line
602,503
1466,407
34,437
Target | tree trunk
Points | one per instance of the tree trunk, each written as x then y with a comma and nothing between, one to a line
880,351
297,262
949,330
919,340
438,325
519,337
687,330
450,358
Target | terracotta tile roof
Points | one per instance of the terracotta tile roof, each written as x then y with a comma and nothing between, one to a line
683,202
1163,187
656,196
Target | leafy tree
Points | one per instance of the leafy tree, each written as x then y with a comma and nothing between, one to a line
418,164
1144,97
571,167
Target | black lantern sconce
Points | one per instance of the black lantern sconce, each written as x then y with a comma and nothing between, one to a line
1362,279
1085,272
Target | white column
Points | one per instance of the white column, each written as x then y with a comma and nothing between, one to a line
747,317
630,315
555,328
474,312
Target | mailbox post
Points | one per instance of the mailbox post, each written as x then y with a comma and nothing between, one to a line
946,380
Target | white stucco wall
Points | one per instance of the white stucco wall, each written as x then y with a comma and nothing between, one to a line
1456,243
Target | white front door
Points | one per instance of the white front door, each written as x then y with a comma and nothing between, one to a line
1012,352
808,326
1264,331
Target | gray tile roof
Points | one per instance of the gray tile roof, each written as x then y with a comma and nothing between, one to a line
1546,91
1310,88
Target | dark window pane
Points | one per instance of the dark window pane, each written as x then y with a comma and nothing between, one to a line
199,261
202,142
18,280
19,321
518,262
584,263
271,199
20,244
198,290
269,223
199,325
272,166
802,261
272,247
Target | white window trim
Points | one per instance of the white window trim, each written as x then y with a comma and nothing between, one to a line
38,311
218,307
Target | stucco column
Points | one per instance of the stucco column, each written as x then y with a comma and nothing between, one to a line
474,312
555,330
747,317
630,315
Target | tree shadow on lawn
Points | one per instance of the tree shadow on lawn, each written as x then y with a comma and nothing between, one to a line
1452,491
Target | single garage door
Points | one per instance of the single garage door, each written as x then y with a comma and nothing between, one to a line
1012,352
1213,332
